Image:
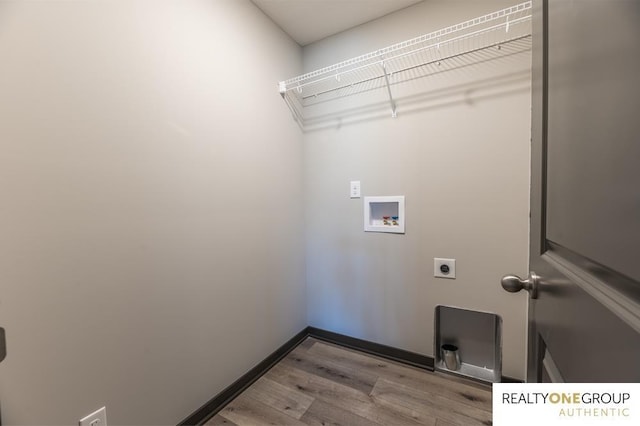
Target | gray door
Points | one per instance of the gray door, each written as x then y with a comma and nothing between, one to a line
585,202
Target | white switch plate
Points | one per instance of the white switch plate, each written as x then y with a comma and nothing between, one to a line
444,268
97,418
354,189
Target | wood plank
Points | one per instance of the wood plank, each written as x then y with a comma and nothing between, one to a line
341,396
245,410
307,343
460,390
441,422
279,397
327,368
320,383
356,355
413,402
322,414
218,420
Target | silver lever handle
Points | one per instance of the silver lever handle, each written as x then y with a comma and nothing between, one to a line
513,284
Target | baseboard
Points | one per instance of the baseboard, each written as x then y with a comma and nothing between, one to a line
507,379
383,351
211,408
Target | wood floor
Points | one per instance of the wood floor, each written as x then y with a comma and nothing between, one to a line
320,383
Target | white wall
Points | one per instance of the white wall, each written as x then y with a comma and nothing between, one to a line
460,155
151,220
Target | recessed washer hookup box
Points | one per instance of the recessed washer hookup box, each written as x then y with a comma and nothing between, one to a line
477,337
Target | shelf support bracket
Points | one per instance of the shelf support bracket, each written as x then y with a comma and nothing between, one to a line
394,113
282,88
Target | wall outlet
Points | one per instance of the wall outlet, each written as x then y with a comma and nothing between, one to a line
444,268
97,418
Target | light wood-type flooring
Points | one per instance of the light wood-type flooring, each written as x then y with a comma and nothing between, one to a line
320,383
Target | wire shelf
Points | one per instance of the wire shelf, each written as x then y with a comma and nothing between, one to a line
493,35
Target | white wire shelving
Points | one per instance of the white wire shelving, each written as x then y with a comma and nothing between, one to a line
490,36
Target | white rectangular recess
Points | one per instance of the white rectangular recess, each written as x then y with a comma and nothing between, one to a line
376,208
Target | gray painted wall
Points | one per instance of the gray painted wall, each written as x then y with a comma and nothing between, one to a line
459,152
151,246
152,227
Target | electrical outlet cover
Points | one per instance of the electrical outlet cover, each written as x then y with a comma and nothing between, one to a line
354,189
444,268
97,418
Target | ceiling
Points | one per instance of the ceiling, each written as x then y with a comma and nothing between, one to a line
307,21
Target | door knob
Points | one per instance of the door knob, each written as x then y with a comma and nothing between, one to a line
513,284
